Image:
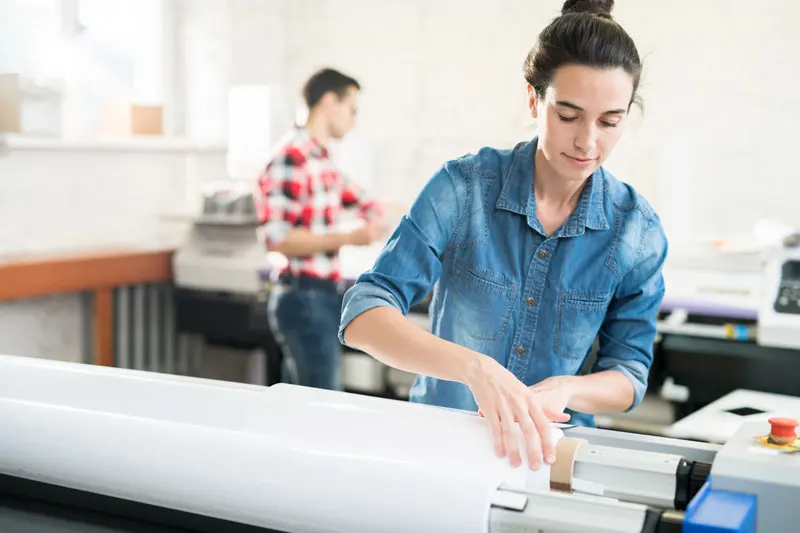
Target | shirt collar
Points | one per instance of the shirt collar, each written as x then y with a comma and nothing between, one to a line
309,143
517,195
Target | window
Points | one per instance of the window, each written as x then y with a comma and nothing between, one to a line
117,44
31,37
105,57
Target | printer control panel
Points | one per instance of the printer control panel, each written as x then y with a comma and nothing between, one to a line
787,299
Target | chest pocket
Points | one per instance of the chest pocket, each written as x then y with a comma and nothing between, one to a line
482,301
579,316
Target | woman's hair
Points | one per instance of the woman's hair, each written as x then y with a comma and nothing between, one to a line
584,34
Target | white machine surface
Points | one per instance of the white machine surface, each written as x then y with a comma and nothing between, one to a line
719,421
761,284
222,252
779,314
297,460
708,278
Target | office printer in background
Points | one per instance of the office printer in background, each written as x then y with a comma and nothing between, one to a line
219,298
222,279
730,320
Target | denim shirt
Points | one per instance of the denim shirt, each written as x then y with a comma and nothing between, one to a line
502,287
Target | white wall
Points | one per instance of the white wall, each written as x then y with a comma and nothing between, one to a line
23,26
713,151
54,199
48,327
223,43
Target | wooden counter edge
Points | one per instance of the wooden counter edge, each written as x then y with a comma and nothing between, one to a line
41,276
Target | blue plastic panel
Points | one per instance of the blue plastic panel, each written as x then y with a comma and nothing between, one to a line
719,511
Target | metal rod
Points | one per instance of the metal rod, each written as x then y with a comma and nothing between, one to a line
139,338
123,325
170,333
87,327
154,328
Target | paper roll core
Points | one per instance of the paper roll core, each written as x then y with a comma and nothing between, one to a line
561,471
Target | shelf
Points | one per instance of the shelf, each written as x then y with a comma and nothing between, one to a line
17,142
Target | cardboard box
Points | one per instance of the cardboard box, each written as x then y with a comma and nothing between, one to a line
121,118
147,120
28,108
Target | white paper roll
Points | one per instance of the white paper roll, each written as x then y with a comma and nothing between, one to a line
284,457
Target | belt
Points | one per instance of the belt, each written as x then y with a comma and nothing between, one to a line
289,280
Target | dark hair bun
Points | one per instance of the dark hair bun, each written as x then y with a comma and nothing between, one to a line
598,7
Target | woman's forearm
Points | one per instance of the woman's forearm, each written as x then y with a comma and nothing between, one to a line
388,336
603,392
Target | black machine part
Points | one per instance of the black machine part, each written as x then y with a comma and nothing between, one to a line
28,506
690,478
657,521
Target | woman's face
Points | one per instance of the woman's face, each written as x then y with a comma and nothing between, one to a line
581,117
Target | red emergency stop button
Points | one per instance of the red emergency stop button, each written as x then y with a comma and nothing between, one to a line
782,430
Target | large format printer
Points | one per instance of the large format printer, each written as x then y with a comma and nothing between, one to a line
99,449
730,320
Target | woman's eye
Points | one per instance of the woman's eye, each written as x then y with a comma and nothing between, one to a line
610,124
567,119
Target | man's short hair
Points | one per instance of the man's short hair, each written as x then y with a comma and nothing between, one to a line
324,81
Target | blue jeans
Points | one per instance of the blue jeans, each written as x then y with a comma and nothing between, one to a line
304,317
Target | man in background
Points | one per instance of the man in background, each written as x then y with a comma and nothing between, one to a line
300,197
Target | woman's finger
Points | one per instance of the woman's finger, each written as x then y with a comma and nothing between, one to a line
532,442
543,426
497,433
557,416
509,432
493,418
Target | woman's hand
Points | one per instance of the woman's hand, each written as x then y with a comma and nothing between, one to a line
503,400
554,395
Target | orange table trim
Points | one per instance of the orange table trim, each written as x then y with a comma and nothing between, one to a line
33,276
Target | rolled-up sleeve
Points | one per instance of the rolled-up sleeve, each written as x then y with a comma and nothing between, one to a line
354,197
629,330
410,263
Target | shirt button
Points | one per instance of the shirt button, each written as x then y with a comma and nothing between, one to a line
530,301
520,350
542,254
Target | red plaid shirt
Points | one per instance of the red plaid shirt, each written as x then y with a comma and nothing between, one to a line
301,188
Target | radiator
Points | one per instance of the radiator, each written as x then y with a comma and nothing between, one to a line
145,336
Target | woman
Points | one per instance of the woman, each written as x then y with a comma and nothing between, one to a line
534,253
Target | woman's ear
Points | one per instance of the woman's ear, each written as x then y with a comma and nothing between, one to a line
532,100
